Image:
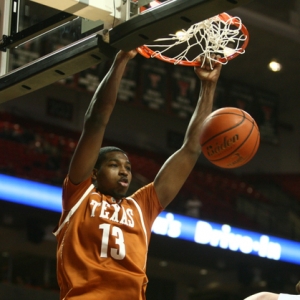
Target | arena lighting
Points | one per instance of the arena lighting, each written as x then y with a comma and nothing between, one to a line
226,237
222,236
275,66
30,193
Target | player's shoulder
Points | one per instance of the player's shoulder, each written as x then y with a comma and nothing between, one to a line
73,192
144,191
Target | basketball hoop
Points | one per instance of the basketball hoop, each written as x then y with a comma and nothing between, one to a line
221,35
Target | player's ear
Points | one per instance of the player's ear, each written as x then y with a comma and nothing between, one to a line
94,174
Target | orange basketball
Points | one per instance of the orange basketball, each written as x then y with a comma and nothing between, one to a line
229,138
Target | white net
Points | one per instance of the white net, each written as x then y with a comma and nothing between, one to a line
221,35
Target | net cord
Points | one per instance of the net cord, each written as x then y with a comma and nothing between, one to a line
221,35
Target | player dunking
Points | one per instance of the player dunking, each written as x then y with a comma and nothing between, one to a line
103,236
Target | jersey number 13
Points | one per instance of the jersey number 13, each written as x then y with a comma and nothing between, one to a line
117,235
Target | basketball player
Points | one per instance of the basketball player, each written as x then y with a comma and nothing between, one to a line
274,296
103,236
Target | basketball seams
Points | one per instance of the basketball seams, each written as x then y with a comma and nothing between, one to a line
253,150
236,149
222,132
238,143
249,118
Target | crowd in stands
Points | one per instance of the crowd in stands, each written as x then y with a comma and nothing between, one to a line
35,151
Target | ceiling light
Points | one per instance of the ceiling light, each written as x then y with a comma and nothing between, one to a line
163,263
274,66
203,272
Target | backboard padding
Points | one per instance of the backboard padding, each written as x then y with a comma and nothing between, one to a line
52,68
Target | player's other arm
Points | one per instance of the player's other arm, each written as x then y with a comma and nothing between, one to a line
96,119
178,167
272,296
263,296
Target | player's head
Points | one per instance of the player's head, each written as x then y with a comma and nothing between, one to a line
112,172
102,154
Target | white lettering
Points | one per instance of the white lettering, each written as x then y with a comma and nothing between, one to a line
234,241
167,226
160,226
124,217
95,205
274,251
224,238
112,212
174,226
215,238
263,247
114,216
104,214
130,217
203,232
246,245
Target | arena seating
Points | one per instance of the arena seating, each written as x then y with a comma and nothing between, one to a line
32,150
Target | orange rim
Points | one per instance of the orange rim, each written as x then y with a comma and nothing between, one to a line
148,52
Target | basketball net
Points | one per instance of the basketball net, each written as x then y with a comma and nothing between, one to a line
221,35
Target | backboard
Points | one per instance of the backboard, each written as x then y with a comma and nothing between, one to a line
42,44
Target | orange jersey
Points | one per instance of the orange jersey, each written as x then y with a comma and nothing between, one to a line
102,245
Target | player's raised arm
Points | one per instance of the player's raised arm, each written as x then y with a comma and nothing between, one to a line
96,119
177,168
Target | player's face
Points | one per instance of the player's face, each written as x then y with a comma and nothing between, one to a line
114,175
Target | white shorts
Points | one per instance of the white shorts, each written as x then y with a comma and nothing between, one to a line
288,297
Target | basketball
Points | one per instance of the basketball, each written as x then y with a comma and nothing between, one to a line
229,138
